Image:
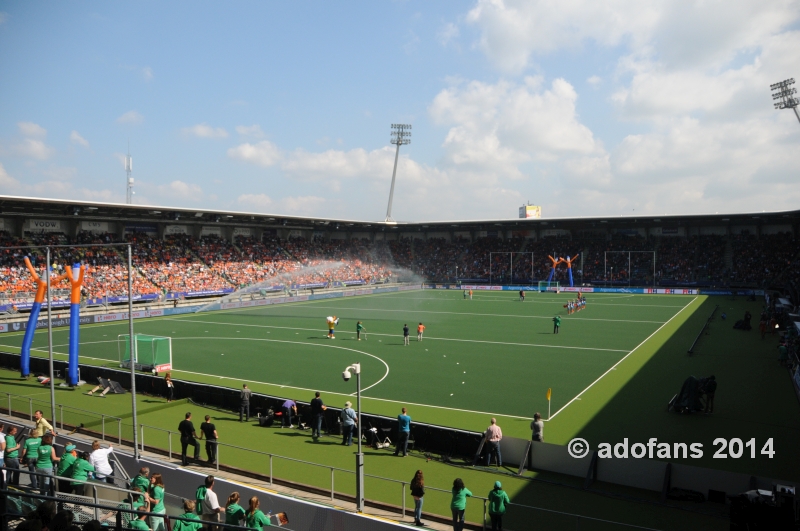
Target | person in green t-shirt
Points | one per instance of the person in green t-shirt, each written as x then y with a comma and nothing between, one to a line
142,480
556,323
140,500
156,499
359,328
45,457
12,456
64,466
458,505
29,457
254,517
82,469
139,524
234,513
188,512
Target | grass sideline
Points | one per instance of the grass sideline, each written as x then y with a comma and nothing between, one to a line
559,493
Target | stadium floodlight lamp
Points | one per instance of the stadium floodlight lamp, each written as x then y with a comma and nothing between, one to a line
401,136
784,93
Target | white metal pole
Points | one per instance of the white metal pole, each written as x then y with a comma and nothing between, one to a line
360,454
133,356
50,339
391,190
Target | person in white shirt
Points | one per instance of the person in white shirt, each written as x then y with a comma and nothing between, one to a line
99,459
211,508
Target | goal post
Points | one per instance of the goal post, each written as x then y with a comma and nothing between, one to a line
151,353
552,285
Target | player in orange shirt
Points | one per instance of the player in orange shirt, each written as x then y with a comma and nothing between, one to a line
420,329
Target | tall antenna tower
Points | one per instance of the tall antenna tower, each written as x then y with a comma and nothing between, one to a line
401,135
783,92
129,181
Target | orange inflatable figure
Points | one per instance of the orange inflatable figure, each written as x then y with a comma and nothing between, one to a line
27,341
74,320
569,267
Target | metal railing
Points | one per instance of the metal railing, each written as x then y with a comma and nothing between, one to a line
60,424
403,484
4,493
54,480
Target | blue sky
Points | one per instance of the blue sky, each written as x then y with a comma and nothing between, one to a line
583,108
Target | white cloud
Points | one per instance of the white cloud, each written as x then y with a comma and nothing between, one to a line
76,138
448,33
497,127
130,117
513,30
147,73
594,81
8,184
257,201
205,131
35,149
298,205
30,129
3,17
308,205
264,153
178,190
412,42
60,173
250,130
680,32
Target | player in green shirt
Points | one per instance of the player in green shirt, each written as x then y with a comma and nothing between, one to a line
29,457
359,328
12,456
556,323
255,518
234,513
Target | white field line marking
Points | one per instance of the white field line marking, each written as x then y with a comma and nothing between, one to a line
257,339
333,393
426,337
176,317
528,299
614,367
491,315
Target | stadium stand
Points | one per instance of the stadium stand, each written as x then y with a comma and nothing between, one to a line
182,266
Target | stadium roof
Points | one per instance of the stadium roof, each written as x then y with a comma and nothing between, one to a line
18,206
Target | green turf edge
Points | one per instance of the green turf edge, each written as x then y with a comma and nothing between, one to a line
577,415
567,497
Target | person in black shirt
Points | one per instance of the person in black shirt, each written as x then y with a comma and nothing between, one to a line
317,408
188,435
405,335
208,430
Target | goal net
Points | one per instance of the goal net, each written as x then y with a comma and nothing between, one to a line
151,353
552,285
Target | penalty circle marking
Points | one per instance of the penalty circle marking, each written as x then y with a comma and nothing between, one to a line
272,341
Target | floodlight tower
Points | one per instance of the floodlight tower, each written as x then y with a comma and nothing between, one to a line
401,135
129,181
782,91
